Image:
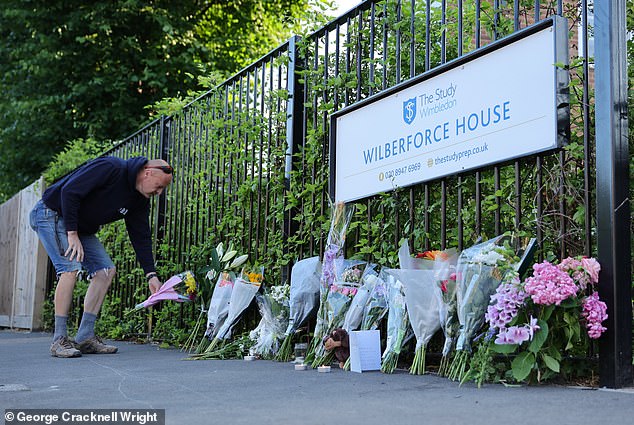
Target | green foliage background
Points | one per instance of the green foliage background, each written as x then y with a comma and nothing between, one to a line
74,69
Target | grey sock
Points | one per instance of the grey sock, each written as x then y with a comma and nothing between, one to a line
86,327
60,327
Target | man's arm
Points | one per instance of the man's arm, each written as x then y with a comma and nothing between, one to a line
138,227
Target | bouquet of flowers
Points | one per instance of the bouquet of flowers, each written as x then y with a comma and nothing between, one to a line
422,310
421,261
341,214
397,322
338,300
368,307
219,304
354,315
445,291
448,311
420,277
377,306
273,306
540,317
304,301
479,271
213,304
180,288
244,289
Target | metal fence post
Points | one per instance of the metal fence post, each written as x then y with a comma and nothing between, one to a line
613,205
294,127
162,205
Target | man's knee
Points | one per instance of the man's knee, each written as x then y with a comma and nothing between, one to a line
105,275
68,276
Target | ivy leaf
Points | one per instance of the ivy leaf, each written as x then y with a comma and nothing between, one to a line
580,215
522,365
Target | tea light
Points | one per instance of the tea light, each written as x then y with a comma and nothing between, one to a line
249,358
323,369
300,366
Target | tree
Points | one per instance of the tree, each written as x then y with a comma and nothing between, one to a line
76,69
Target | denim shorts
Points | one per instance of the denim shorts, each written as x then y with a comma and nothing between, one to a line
51,230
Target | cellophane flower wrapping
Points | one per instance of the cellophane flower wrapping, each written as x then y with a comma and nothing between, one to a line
373,309
341,214
303,301
218,309
348,277
397,322
406,261
479,271
422,306
244,289
221,261
180,288
354,315
445,290
219,304
274,309
377,306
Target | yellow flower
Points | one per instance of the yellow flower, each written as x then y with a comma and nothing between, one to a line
190,283
255,277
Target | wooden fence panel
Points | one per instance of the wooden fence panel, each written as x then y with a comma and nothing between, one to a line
8,243
23,262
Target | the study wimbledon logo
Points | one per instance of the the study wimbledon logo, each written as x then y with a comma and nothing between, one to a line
409,110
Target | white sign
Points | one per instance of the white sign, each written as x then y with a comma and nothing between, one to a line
365,350
495,107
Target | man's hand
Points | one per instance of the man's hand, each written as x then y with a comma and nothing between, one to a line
155,284
75,248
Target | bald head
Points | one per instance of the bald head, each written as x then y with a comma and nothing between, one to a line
157,163
154,177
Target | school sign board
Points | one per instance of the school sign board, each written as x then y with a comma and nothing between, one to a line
504,101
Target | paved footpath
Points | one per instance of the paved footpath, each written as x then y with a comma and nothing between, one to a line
143,376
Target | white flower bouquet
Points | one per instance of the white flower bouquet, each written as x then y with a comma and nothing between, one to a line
244,289
303,302
479,271
267,336
397,322
422,310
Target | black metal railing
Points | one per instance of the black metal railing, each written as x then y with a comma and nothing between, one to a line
251,155
255,148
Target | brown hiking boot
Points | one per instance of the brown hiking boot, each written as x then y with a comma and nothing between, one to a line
95,345
63,347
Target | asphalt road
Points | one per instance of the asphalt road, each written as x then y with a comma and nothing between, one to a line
143,376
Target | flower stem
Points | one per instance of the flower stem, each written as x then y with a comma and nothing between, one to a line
418,365
285,352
